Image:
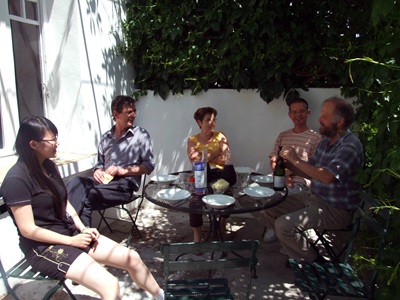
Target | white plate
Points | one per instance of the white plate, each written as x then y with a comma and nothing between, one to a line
218,201
164,178
262,178
258,191
173,194
244,170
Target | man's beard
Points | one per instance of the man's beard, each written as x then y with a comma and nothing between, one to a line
328,131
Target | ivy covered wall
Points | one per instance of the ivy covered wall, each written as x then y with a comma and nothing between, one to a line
270,46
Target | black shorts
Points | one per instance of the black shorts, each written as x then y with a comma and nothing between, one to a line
55,260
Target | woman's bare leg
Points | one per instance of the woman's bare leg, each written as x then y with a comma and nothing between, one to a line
110,253
87,272
196,234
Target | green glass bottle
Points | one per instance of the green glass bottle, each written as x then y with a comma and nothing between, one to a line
279,172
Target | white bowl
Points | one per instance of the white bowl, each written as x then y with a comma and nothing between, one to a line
258,191
218,201
174,194
263,178
166,179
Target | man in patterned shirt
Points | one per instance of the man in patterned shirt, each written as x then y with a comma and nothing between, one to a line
304,140
125,152
333,194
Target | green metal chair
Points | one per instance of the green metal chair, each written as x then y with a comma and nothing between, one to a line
23,270
122,206
339,279
243,256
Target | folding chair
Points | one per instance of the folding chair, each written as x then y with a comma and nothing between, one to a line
122,206
23,270
340,279
335,252
244,254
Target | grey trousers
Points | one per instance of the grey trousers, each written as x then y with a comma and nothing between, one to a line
301,212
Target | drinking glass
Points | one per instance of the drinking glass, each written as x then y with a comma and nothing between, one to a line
185,183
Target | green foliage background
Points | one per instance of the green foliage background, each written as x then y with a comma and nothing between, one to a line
263,45
275,46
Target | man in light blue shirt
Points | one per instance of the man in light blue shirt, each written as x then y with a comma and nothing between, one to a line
125,152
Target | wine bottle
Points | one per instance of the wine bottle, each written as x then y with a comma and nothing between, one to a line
279,172
200,174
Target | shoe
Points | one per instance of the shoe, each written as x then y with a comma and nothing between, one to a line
269,235
198,253
283,251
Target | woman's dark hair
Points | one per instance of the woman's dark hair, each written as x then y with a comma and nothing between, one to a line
201,112
119,102
35,128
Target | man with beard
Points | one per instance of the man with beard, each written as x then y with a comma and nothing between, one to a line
333,194
125,152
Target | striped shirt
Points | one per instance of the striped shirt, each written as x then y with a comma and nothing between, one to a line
343,159
304,144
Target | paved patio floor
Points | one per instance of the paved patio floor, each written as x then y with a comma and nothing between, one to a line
159,226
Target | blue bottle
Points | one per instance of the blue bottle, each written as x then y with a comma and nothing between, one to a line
200,174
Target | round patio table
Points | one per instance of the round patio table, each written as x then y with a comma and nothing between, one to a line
194,204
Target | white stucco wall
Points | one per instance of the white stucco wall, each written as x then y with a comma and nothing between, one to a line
83,74
80,70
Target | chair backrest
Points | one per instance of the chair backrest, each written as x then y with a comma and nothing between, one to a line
244,254
377,218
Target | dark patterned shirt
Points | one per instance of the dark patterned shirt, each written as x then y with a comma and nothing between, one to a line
343,159
133,148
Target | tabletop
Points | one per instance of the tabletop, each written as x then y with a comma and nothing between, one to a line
194,204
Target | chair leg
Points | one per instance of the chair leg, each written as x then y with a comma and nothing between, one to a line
328,247
6,284
68,291
51,292
133,220
138,208
103,218
264,231
134,226
137,214
10,290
